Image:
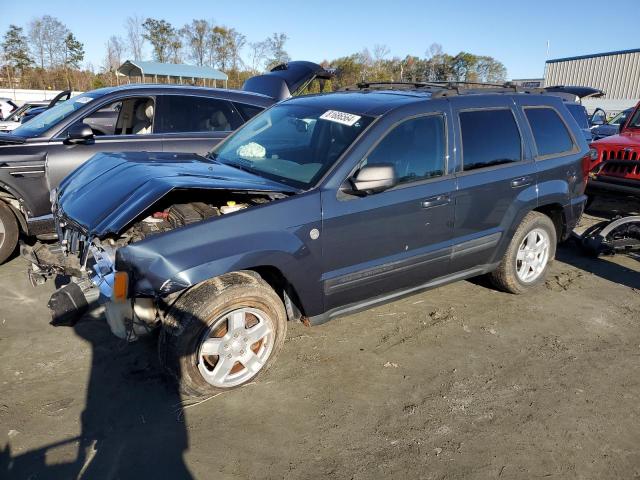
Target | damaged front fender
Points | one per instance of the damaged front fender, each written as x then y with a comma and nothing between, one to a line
274,235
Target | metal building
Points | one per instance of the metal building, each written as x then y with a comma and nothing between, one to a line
615,73
170,72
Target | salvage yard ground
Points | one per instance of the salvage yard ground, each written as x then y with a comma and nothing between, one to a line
457,382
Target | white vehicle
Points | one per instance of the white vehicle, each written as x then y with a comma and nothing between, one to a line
14,119
6,107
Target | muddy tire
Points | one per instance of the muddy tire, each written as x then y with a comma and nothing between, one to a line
527,259
222,334
8,232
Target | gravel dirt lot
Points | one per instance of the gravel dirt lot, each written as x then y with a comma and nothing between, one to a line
457,382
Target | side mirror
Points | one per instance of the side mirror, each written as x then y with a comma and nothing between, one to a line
79,133
374,178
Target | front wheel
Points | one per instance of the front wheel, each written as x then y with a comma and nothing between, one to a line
8,232
527,259
223,333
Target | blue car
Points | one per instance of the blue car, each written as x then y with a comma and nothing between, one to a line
602,128
320,206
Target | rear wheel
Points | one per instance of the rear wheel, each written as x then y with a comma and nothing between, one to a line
223,333
8,232
527,259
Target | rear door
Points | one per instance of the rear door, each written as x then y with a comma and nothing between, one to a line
194,124
496,178
558,150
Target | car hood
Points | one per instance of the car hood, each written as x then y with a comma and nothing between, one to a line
111,190
628,138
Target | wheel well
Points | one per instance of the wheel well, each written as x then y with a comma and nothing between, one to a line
556,213
276,280
9,199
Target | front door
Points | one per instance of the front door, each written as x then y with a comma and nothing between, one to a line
120,126
390,241
496,177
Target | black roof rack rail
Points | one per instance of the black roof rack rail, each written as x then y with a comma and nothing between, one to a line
449,88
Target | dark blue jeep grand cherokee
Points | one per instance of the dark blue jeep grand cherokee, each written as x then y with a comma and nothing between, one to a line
320,206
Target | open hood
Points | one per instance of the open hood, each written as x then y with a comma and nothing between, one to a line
111,190
286,79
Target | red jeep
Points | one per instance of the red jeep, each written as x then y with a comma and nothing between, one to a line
616,168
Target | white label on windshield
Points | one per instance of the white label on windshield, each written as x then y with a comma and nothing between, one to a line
83,99
340,117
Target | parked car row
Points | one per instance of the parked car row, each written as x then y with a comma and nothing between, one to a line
318,206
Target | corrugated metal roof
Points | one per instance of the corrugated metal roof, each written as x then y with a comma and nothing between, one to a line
593,55
138,68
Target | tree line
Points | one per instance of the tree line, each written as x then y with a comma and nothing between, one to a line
46,54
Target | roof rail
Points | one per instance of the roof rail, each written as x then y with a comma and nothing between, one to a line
449,88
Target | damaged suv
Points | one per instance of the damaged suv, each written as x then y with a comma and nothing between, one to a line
319,206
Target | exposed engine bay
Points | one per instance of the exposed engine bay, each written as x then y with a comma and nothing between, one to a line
185,208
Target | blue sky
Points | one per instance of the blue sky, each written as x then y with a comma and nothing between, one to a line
515,33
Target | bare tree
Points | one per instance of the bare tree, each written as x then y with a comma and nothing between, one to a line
36,39
115,54
258,52
135,36
237,41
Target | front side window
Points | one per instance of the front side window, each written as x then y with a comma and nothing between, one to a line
549,131
416,148
290,143
184,114
128,116
489,138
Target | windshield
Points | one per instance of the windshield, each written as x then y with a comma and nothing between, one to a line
619,118
292,144
635,120
17,115
47,119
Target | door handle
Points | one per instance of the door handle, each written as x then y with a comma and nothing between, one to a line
521,181
436,201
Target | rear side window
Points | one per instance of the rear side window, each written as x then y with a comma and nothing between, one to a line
248,111
489,137
416,148
579,113
182,114
549,131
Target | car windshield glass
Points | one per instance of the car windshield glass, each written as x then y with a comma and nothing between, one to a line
15,116
47,119
292,144
635,120
619,118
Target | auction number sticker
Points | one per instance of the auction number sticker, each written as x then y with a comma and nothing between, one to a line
340,117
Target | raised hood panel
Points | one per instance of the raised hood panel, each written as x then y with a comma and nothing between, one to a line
111,189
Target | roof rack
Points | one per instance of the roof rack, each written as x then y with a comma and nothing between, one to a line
448,88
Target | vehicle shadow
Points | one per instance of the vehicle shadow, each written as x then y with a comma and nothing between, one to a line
572,253
132,425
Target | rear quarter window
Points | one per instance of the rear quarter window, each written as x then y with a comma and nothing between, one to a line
549,131
489,138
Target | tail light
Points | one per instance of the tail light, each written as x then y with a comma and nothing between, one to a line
588,162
